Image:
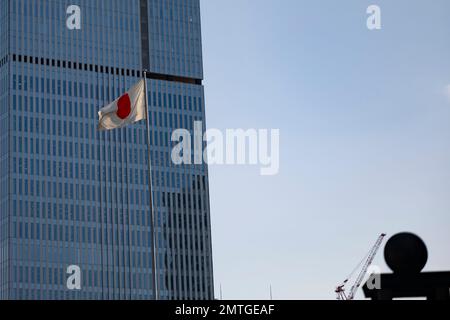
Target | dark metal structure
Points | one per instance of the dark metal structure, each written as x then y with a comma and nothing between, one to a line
406,254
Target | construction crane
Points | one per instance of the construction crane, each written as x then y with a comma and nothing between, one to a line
340,290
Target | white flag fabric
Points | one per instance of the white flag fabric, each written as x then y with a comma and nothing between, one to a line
127,109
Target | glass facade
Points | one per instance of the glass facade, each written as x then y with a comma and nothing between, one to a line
71,195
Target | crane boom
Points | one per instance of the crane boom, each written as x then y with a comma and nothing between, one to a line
340,290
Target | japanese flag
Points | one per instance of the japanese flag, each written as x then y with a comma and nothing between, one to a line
127,109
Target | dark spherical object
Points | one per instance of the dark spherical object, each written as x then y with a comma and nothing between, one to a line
406,253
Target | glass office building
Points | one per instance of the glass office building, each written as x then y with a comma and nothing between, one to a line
71,195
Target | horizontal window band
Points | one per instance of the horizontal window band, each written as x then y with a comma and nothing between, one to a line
102,69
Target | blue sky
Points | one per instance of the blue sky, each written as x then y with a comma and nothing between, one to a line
365,138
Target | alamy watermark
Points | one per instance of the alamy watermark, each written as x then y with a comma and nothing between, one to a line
74,279
73,21
374,19
374,281
232,147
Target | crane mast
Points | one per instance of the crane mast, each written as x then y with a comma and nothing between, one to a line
340,290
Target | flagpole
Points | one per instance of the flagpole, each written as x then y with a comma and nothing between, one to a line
150,191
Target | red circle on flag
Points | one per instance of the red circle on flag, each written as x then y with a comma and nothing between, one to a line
124,106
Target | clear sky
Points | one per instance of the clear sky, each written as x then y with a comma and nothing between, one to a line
365,138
